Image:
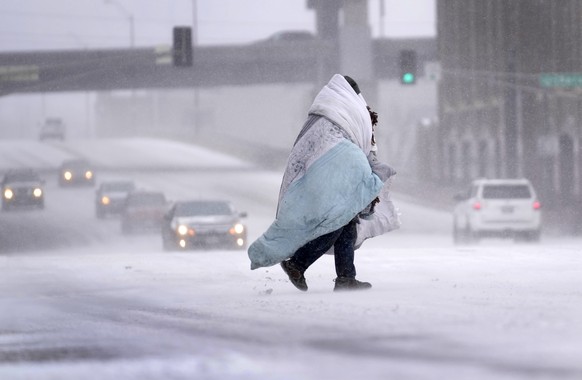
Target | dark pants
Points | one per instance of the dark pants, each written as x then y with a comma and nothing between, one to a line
342,241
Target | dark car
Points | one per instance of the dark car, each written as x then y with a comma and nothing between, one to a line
110,197
76,172
291,36
203,223
22,188
143,211
52,128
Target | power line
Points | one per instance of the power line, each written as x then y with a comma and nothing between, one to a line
70,16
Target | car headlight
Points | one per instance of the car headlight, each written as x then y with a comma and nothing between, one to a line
237,229
8,194
88,174
37,192
105,200
67,175
182,230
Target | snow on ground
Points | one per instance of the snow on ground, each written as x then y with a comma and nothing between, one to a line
494,311
132,153
23,153
128,310
158,154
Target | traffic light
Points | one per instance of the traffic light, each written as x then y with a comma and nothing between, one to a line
408,67
182,47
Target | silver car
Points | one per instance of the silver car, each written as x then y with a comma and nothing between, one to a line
203,224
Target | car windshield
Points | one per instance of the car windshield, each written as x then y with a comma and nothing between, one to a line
76,165
148,199
21,176
118,186
202,209
506,192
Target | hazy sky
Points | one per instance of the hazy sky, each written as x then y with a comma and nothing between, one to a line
74,24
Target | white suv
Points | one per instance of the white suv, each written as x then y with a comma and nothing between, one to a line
497,207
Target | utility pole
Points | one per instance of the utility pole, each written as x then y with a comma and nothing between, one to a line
511,104
130,20
194,43
382,16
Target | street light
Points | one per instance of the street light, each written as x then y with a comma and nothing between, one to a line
89,130
194,22
129,16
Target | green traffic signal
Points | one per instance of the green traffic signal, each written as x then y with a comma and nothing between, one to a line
408,66
408,78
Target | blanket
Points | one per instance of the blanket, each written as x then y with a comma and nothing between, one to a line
328,179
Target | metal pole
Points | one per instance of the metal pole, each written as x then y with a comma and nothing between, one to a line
129,16
131,32
382,14
194,22
194,43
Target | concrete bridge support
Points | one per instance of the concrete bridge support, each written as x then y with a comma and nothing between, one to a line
342,26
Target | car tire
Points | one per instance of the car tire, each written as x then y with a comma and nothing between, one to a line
126,229
457,234
532,236
169,245
468,236
473,236
463,236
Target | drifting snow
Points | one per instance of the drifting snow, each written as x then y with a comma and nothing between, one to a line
121,308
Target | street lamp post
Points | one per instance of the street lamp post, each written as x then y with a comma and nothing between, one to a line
194,43
194,22
129,16
89,129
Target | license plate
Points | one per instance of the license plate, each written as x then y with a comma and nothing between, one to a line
213,239
507,209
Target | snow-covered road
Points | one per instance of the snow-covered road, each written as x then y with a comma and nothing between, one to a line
95,304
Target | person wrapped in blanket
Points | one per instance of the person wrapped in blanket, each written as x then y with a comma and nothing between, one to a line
334,193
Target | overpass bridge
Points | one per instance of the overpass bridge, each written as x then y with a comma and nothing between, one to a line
143,68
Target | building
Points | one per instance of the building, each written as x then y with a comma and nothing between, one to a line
510,96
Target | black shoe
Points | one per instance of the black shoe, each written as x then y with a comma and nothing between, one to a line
295,275
349,283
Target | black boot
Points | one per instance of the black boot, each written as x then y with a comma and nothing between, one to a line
295,275
350,283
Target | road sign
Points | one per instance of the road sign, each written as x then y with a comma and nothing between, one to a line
24,73
432,71
561,80
163,54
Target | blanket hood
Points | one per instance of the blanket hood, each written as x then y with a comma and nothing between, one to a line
338,102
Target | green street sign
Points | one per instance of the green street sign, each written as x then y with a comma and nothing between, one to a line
562,80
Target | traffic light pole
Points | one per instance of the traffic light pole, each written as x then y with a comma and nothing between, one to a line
511,103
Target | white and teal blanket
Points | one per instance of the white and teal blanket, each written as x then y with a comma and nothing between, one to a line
328,179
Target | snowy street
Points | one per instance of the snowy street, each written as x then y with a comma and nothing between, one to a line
79,300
